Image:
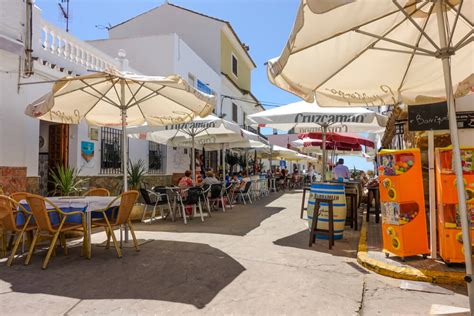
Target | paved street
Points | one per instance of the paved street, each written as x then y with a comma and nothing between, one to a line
250,260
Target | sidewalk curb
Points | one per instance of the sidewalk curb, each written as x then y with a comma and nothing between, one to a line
406,273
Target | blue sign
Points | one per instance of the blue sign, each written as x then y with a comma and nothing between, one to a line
283,163
87,151
201,86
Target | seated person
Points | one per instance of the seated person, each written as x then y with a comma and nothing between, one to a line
210,178
186,181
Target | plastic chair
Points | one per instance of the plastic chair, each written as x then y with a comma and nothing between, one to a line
15,219
97,192
41,214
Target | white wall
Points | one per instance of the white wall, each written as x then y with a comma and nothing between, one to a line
19,134
173,56
202,34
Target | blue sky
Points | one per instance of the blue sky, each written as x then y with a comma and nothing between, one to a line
264,25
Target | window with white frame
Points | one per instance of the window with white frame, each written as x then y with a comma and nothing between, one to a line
235,65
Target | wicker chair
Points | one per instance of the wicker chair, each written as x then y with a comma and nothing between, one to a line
11,213
127,200
43,220
19,196
97,192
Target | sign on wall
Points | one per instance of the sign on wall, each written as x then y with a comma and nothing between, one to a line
87,151
201,86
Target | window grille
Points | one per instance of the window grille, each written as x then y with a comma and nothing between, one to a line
156,158
111,151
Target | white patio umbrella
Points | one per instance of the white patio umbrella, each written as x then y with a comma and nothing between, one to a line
117,99
303,117
194,134
373,53
121,100
209,132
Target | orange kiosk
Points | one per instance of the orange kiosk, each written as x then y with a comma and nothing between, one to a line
451,248
403,206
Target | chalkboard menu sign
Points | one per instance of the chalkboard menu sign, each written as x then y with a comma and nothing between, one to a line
427,117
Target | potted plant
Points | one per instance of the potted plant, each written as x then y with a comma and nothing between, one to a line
65,180
136,172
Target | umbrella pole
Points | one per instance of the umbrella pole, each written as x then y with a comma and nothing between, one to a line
223,163
124,144
324,167
465,218
193,158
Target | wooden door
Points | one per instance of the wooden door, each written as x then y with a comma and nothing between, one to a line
58,145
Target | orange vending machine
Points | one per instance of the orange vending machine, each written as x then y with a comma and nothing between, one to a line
449,225
403,206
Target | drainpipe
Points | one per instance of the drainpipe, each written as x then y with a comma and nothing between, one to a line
28,63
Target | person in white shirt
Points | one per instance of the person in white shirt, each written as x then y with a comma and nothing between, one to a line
340,171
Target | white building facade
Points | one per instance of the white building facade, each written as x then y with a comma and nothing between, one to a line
34,53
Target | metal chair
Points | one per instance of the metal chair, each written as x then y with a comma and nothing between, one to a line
216,196
190,197
242,193
43,221
154,199
15,219
229,193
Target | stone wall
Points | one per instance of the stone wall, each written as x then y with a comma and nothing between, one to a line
12,179
32,185
114,183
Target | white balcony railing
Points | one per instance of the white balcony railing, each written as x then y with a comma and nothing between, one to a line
64,52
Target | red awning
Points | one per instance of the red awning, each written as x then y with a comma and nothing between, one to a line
338,138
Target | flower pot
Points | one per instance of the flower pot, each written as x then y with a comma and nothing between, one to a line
137,211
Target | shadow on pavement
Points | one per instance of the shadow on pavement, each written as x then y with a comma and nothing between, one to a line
182,272
238,221
346,247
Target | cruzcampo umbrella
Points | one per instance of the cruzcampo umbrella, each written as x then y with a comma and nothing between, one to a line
118,99
303,117
197,133
374,53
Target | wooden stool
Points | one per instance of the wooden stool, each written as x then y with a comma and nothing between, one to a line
314,225
353,218
373,194
303,208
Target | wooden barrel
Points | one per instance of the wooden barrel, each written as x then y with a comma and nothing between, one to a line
339,208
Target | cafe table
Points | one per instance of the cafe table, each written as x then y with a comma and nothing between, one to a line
87,204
